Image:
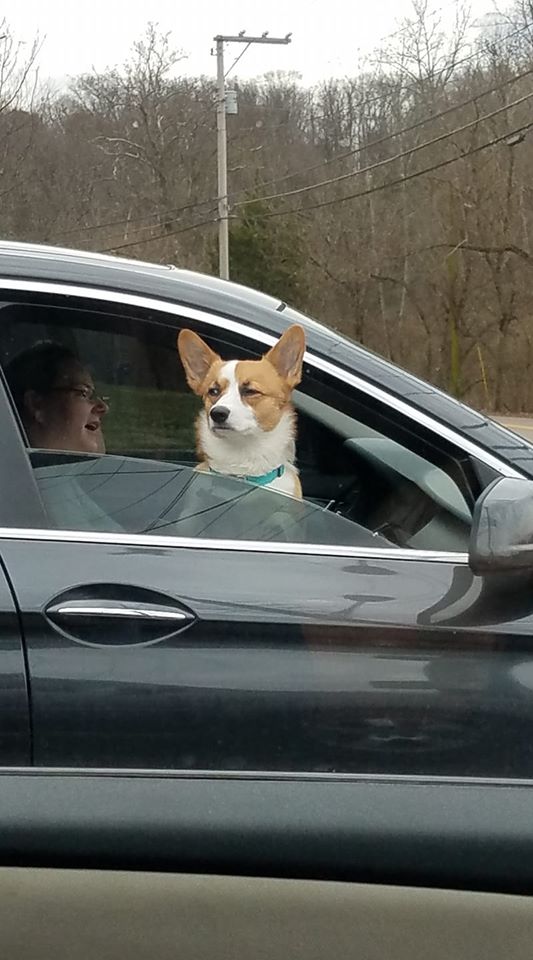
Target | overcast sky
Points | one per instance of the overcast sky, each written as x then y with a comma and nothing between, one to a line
327,34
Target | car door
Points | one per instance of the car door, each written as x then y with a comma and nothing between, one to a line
15,724
157,654
15,739
207,640
154,654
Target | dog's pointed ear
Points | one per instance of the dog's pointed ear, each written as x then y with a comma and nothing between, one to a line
196,357
286,356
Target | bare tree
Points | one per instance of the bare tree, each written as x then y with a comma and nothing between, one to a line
432,267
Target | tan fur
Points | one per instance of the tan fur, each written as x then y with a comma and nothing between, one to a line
273,392
298,492
286,356
265,385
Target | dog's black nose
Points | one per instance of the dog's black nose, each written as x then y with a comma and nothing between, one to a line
219,414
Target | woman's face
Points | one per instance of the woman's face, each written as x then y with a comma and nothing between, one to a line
68,416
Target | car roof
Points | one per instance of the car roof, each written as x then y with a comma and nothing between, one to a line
228,299
76,266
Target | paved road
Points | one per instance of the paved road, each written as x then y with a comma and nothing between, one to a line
521,425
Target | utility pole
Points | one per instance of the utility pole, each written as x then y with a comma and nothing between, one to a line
222,160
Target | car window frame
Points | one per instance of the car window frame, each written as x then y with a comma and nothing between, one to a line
206,320
21,498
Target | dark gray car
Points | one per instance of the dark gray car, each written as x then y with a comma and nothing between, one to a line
155,617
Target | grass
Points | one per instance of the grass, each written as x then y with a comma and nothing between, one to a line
148,419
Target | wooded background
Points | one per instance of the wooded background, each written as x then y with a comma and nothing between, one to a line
395,205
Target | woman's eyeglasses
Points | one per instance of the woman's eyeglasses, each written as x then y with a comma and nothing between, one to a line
86,393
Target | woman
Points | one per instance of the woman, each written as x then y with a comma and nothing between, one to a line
55,396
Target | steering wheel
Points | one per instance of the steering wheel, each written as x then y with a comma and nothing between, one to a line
358,499
350,501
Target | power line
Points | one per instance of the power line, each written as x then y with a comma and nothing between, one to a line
88,228
397,156
415,85
160,236
370,167
235,62
354,152
336,179
322,163
383,97
157,214
354,196
140,219
381,140
397,133
399,180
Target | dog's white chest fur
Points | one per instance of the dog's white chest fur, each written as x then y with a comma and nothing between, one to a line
253,453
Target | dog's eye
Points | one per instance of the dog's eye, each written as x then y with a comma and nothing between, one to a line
249,392
213,391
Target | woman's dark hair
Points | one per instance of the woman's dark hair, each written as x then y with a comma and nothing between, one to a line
37,368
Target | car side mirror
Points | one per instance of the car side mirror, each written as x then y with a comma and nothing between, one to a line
502,527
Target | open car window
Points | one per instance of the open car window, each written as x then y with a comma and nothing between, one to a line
369,476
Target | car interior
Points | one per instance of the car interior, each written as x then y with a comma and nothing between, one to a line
358,461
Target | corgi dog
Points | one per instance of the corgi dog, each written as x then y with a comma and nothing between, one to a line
247,428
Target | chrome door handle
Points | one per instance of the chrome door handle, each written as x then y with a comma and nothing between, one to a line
125,609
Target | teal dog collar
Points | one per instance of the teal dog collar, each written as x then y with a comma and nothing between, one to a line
261,481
